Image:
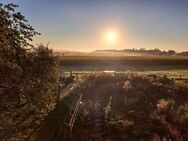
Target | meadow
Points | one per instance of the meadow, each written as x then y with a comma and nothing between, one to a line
168,65
131,107
101,98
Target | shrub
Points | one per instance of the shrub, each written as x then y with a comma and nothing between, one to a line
183,111
28,74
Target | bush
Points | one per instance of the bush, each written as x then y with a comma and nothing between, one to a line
28,74
182,111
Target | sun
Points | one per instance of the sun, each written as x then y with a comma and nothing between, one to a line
111,37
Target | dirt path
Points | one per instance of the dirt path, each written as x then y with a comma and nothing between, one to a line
53,126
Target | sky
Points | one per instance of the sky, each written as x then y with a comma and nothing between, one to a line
84,25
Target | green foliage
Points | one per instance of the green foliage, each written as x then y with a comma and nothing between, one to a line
14,34
28,74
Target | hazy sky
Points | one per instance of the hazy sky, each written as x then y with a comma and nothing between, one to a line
80,25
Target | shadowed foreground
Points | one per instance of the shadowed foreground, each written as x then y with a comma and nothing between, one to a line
52,129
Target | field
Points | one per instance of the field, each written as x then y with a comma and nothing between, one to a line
121,102
123,62
88,86
128,107
110,99
161,65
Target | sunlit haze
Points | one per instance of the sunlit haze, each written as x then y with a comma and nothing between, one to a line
101,70
83,25
111,37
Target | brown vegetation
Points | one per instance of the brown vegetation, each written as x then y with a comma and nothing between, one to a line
134,108
28,77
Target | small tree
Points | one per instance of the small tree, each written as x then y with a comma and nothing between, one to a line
171,52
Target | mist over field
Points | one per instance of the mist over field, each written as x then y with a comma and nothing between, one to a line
94,70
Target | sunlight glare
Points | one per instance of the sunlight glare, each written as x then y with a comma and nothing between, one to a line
111,37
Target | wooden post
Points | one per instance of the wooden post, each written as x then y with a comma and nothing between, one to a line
58,94
76,76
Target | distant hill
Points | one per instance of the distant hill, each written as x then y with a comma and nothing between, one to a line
114,53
